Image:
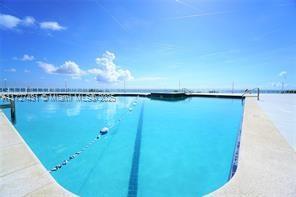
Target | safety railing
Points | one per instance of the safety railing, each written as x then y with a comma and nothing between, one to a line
247,91
185,90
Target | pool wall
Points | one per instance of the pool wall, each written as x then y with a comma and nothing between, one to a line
234,162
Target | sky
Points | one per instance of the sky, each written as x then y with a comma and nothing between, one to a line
148,43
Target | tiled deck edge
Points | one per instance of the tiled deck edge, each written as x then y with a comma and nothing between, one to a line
21,172
266,164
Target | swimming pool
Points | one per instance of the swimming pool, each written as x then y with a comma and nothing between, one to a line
158,148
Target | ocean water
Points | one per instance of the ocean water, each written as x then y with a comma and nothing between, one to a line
153,148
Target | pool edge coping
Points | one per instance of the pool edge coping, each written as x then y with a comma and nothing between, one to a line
255,125
42,190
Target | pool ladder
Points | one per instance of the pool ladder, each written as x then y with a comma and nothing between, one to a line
250,92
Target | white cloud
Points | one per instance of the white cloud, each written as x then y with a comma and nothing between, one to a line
51,25
27,71
283,74
48,68
9,21
94,71
10,70
68,68
28,21
27,57
109,71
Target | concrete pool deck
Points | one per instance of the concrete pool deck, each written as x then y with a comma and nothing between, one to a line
21,173
281,109
266,165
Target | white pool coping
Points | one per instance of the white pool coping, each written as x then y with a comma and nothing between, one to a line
21,172
266,164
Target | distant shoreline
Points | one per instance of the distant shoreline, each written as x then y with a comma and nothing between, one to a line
144,90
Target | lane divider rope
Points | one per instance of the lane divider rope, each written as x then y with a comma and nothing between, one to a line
99,135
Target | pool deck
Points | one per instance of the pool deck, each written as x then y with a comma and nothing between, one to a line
266,164
281,109
21,173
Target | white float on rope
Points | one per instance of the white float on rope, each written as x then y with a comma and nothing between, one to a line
104,130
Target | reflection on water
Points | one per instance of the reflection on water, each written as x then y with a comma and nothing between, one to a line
112,108
74,110
51,107
106,111
30,117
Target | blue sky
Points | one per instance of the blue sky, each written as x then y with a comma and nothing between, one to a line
148,43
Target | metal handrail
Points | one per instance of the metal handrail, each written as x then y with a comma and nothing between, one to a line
6,97
185,90
250,91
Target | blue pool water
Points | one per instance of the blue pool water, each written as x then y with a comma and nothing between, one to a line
159,148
